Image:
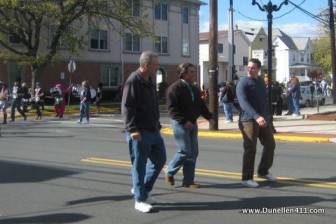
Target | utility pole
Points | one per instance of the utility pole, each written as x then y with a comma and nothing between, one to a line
332,46
231,42
213,63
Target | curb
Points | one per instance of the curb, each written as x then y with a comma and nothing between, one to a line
237,135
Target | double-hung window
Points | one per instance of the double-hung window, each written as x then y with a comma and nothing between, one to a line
161,11
98,39
161,45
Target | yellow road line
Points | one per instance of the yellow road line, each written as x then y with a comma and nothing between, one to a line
224,174
238,135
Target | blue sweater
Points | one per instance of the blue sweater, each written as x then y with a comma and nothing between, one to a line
252,98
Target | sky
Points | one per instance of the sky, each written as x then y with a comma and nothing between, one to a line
290,20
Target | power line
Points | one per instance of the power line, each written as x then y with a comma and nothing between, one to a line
278,17
310,14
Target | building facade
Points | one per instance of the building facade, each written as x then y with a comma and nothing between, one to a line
110,57
241,56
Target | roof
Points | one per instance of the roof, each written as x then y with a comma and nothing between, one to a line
301,42
206,35
196,1
287,40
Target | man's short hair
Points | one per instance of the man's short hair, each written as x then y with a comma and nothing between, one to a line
146,57
255,61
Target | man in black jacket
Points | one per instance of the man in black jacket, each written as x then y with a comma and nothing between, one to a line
141,115
185,105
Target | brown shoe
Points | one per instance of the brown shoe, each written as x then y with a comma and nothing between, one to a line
192,185
170,180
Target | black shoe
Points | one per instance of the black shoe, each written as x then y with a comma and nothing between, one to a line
288,114
24,117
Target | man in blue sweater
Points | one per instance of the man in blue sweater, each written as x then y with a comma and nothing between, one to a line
253,124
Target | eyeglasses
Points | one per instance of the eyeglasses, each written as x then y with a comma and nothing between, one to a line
252,68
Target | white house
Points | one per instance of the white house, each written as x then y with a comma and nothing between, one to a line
241,55
293,56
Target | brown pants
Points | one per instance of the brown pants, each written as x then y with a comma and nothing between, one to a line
251,131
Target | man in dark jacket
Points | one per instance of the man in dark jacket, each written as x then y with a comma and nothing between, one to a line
185,105
141,115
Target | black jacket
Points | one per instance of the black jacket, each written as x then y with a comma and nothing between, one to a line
139,104
180,105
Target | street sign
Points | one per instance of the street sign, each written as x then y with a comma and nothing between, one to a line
72,66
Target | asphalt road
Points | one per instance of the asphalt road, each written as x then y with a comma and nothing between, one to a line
56,171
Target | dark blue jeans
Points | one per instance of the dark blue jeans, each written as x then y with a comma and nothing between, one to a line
187,152
148,157
84,109
16,104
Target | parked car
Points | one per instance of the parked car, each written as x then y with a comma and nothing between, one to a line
307,99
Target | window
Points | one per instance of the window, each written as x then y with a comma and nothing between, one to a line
132,43
185,47
293,57
98,39
109,76
161,11
134,5
185,15
220,48
245,61
161,45
302,57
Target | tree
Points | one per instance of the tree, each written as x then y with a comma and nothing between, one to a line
322,53
25,23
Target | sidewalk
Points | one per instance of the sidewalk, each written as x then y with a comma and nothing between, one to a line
298,129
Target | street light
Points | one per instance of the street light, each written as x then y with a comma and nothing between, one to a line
269,8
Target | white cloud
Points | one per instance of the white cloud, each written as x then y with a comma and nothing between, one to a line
291,29
299,29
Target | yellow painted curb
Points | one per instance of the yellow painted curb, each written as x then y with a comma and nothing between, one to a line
237,135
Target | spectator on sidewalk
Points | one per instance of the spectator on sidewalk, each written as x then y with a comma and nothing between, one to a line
99,97
85,98
39,100
295,93
17,94
289,98
253,124
4,100
228,95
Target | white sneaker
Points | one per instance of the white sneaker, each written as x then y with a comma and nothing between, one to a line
250,183
86,122
143,207
78,122
269,177
150,199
